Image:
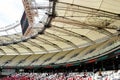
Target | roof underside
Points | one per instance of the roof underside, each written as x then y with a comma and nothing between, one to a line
76,24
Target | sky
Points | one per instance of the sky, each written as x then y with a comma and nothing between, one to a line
11,12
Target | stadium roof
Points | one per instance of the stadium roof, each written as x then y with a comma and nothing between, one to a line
75,24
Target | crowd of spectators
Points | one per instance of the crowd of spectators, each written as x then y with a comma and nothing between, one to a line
105,75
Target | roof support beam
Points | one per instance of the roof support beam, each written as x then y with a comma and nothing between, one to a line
80,52
93,11
48,59
104,31
84,25
23,46
35,60
37,45
22,61
73,34
8,61
1,50
60,39
14,49
50,43
78,23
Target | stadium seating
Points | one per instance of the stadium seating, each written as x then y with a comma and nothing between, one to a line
106,75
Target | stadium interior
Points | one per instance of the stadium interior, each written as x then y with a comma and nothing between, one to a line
63,40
